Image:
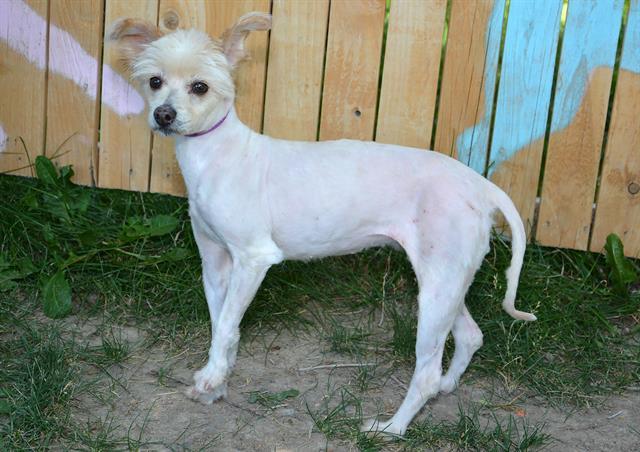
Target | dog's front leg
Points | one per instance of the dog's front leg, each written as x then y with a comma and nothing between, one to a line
216,268
244,280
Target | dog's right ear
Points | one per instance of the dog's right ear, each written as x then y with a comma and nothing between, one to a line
233,39
132,36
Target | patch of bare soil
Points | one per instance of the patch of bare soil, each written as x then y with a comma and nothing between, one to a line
145,394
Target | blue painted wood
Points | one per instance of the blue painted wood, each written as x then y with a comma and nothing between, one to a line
590,40
472,143
526,77
618,209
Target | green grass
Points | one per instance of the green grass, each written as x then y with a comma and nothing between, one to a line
38,378
272,400
471,432
340,416
585,344
113,350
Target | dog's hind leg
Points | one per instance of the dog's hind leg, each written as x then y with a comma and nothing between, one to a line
468,339
441,292
445,255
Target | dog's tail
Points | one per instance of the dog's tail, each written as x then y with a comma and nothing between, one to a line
518,244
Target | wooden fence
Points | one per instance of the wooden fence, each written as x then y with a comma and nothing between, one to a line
522,91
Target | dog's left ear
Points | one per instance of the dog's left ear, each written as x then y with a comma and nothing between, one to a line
132,35
233,39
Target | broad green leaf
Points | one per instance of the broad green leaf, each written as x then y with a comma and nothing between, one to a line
158,225
621,271
30,199
7,283
79,202
288,394
162,224
46,171
56,207
90,237
66,173
5,407
9,272
49,235
25,266
56,296
176,254
271,399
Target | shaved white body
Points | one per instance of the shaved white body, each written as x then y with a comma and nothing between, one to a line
255,201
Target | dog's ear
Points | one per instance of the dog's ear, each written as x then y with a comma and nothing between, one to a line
233,39
132,35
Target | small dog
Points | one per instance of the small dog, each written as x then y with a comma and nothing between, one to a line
255,201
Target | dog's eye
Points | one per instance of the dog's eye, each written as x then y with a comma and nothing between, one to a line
199,88
155,83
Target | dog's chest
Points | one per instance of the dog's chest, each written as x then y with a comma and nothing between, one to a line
228,205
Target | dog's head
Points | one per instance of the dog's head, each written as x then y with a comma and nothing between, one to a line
185,76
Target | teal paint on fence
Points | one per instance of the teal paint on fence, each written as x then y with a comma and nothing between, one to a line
590,41
472,143
526,77
631,49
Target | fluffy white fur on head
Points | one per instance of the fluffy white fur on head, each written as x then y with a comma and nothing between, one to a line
180,60
173,68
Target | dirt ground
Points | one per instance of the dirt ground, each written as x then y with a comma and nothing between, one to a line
146,391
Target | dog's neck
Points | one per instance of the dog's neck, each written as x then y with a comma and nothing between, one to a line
224,125
210,129
214,152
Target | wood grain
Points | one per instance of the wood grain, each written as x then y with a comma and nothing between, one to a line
618,203
352,64
22,85
573,156
75,51
294,79
468,76
410,78
125,138
523,101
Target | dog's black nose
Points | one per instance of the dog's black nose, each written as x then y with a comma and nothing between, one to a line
164,115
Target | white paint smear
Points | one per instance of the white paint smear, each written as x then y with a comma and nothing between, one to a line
3,139
25,32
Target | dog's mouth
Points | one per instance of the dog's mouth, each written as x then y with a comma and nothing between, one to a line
166,131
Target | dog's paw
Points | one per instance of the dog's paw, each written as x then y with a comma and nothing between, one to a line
448,384
209,379
374,426
206,397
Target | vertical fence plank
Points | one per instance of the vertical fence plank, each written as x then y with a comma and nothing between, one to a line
410,78
165,176
125,139
294,79
618,208
213,17
351,69
468,80
75,50
523,101
577,126
23,56
251,75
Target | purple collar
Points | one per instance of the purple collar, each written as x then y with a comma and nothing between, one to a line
214,127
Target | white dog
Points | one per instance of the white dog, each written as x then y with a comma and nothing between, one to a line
255,201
